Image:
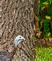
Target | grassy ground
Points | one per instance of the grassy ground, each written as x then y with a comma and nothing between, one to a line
43,54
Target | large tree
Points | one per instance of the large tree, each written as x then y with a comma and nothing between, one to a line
16,17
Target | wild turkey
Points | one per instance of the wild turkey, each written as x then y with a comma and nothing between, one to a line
7,55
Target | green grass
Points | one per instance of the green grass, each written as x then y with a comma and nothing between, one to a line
43,54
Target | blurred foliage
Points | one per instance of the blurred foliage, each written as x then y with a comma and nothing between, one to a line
45,18
43,54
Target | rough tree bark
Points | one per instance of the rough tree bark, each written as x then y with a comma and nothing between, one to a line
36,19
16,17
36,14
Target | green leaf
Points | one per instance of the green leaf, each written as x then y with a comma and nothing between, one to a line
46,28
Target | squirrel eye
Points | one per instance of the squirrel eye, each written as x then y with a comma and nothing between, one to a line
20,37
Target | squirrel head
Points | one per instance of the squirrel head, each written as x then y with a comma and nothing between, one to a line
18,40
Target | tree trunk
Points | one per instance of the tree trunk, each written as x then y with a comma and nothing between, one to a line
16,17
36,14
